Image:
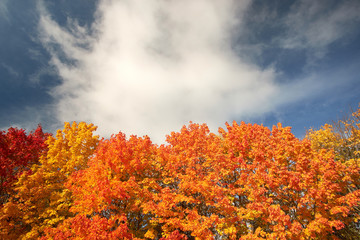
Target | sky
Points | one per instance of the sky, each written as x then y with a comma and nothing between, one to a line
150,67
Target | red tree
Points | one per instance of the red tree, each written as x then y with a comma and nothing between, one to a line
18,151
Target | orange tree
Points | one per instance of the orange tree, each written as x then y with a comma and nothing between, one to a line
121,176
247,182
284,189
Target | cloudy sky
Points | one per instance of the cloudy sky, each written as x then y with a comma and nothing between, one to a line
149,67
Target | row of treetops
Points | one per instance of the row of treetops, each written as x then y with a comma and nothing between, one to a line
245,182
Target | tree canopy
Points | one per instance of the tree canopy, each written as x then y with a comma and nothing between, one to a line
245,182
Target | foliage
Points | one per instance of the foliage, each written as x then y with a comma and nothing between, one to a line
246,182
18,151
342,137
120,177
82,227
41,199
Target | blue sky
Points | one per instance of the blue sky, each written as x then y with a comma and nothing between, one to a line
149,67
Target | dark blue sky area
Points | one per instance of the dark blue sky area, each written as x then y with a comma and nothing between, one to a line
25,74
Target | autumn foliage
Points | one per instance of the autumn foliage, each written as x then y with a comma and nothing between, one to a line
245,182
41,199
343,138
18,151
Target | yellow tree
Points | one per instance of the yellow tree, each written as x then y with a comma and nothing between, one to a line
343,138
42,200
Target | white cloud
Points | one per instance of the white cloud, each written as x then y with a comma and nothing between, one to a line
151,67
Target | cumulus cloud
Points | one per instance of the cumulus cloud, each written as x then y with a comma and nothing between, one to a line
151,67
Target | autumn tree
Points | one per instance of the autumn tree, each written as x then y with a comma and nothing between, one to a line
122,176
343,138
41,199
283,188
251,182
247,182
18,151
190,195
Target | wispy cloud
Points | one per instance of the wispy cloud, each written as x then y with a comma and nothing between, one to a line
4,12
10,70
299,27
316,24
150,67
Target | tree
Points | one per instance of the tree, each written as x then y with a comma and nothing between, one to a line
248,182
189,200
343,138
96,227
121,177
283,188
18,151
41,198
